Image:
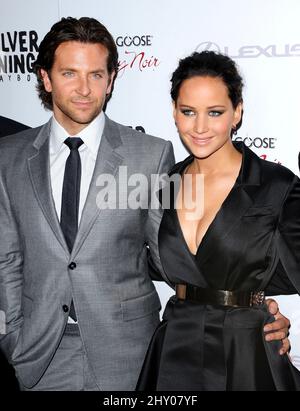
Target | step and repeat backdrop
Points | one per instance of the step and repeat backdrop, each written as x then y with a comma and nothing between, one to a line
262,37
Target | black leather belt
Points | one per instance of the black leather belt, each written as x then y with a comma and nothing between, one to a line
219,297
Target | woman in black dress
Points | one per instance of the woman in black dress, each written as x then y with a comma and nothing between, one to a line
236,237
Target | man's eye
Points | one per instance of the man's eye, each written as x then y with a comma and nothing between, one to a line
97,76
68,74
215,113
187,112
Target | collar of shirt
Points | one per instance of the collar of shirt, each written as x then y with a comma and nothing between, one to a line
90,135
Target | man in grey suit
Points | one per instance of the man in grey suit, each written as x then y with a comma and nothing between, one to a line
105,272
79,305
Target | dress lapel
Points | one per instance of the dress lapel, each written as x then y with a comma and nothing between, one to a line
235,205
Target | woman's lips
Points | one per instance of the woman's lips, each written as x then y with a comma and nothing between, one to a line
202,141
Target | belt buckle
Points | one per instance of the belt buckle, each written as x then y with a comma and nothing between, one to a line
257,298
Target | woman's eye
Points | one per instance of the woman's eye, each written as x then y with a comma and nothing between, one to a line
188,113
215,113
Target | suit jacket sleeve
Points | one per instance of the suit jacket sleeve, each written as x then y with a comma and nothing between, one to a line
11,263
288,234
167,161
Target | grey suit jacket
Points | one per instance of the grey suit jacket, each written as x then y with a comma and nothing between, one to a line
116,303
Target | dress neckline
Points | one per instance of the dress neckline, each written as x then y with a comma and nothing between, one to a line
186,163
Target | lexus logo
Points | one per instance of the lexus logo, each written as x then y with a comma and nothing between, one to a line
208,46
252,50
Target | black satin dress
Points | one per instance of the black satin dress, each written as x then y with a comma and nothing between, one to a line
201,347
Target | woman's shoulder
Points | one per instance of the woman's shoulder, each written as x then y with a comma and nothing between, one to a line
276,171
269,171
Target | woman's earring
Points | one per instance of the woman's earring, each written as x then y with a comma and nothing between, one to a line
234,130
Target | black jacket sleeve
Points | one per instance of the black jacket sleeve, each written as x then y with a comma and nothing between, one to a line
288,236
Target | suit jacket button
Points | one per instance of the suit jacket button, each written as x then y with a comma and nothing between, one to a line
65,308
72,265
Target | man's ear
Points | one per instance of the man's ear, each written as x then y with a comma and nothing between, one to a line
110,83
46,79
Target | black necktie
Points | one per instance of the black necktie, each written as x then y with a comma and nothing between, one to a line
71,197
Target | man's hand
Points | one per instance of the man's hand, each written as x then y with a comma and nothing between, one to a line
279,329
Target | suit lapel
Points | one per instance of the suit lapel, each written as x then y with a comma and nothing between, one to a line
107,162
39,171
